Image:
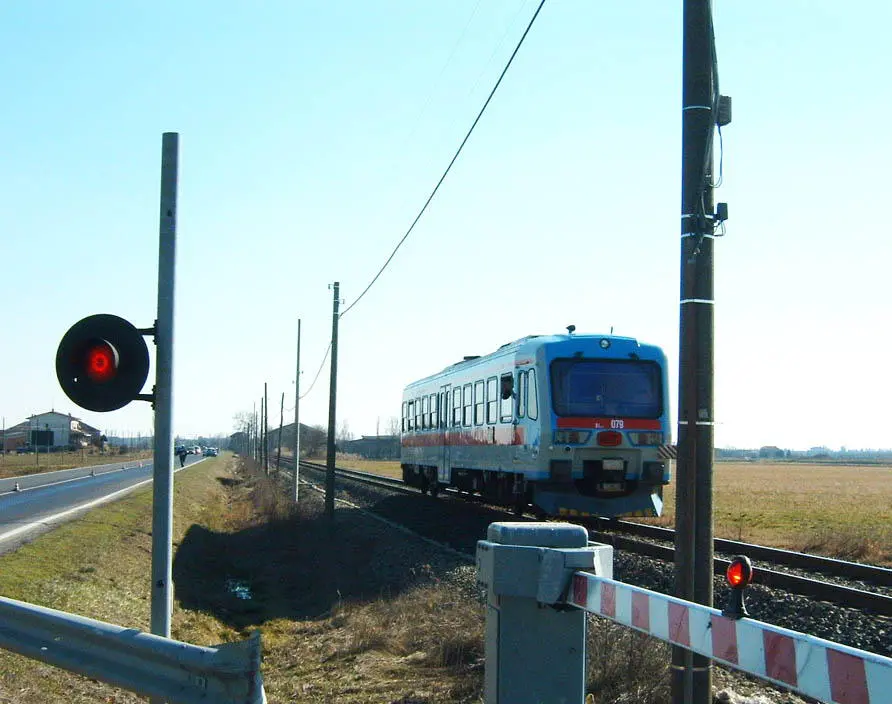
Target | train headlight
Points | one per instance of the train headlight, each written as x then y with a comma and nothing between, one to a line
571,437
646,438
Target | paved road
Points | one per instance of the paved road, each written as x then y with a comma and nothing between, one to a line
26,513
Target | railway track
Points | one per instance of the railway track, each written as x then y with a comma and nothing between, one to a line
657,543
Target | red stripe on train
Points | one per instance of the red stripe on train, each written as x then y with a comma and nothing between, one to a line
608,423
503,435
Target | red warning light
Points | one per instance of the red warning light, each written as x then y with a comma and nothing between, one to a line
101,363
739,573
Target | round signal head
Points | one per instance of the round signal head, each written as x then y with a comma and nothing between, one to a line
740,572
102,363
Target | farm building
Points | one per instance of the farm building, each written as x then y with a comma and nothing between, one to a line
374,447
51,430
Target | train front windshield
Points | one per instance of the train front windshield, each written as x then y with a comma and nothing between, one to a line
617,388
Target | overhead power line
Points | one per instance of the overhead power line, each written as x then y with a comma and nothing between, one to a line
448,168
318,372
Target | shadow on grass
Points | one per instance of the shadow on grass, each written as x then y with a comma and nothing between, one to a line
297,568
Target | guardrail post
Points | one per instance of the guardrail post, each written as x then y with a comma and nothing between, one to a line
535,652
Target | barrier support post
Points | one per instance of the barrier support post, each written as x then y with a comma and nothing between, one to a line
535,652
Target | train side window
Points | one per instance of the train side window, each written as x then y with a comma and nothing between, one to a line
521,394
492,399
506,393
435,408
467,404
479,402
403,423
410,409
417,414
456,406
532,396
425,412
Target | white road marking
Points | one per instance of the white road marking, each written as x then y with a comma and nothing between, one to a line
83,507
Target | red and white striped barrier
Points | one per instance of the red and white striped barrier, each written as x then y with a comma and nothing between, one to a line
815,667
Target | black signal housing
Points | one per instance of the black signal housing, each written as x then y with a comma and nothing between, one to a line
102,363
739,575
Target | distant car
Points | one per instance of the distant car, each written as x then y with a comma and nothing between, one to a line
210,452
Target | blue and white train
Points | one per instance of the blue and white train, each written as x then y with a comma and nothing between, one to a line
568,424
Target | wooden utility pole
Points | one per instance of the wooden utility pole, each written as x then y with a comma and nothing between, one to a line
332,415
692,674
297,420
265,430
281,419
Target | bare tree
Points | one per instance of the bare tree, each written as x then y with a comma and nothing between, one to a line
312,440
342,434
393,425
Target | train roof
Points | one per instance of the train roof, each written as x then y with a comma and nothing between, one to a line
524,344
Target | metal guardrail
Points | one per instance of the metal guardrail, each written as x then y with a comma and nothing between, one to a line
150,665
537,654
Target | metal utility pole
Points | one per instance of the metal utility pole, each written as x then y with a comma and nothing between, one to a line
281,420
265,430
692,674
332,416
162,486
297,420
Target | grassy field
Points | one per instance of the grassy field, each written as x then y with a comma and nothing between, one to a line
843,511
20,465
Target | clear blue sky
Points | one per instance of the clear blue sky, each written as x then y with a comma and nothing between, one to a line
312,132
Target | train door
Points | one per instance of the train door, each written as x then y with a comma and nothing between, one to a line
443,466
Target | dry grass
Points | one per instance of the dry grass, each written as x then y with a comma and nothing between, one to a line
98,566
20,465
842,511
625,666
387,468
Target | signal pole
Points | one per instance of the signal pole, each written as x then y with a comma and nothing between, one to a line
332,416
692,674
265,430
281,420
297,420
162,485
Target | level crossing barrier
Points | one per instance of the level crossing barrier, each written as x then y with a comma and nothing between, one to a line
543,578
162,668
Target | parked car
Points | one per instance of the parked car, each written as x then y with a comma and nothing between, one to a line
210,452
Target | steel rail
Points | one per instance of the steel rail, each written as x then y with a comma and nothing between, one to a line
881,576
824,591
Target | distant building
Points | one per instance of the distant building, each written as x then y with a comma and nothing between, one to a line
373,447
819,451
51,430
